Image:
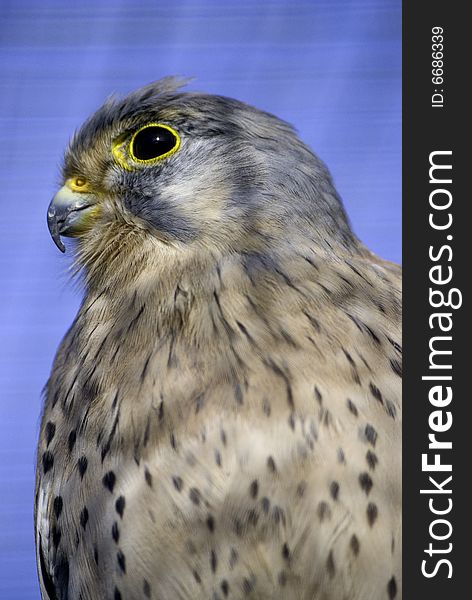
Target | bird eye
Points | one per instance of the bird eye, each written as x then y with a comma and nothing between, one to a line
153,141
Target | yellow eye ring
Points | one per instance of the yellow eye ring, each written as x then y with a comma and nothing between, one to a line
147,147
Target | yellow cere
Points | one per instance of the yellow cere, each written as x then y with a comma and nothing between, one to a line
120,155
78,184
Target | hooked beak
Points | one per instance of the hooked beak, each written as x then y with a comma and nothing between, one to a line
68,212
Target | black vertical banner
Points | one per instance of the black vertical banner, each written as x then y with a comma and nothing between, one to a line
437,242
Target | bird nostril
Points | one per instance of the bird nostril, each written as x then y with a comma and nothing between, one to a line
78,184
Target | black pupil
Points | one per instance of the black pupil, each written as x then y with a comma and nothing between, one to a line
153,142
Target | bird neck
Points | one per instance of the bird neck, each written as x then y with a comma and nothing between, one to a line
204,298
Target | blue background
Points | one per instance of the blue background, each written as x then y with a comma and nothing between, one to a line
332,68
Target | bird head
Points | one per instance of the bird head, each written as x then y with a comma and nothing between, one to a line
169,173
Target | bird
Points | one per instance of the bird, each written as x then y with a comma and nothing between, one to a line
223,417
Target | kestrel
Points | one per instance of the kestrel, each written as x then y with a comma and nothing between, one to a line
223,417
